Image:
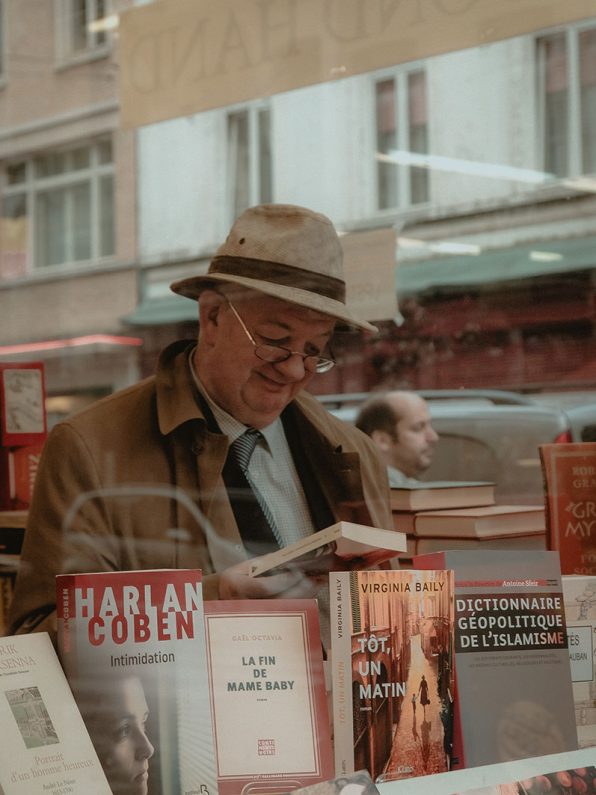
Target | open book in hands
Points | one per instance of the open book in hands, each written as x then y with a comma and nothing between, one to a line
340,547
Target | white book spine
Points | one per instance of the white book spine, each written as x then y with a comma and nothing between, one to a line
341,661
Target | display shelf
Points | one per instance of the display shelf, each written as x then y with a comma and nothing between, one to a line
459,782
13,519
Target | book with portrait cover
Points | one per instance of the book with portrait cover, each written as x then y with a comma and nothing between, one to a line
579,594
569,478
132,645
270,716
45,746
392,672
341,546
513,694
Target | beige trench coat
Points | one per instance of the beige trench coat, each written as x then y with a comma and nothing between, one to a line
119,484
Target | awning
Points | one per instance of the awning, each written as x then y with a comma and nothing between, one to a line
159,311
520,262
158,305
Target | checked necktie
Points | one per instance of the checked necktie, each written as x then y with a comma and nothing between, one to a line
242,449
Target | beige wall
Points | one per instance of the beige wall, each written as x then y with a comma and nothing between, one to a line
37,86
44,103
81,304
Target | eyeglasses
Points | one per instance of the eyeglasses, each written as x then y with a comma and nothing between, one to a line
275,354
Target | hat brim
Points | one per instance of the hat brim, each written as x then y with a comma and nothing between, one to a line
192,288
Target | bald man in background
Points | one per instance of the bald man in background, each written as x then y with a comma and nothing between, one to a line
399,423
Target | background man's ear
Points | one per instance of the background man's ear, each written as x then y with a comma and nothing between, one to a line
382,439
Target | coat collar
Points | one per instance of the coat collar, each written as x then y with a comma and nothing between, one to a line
175,389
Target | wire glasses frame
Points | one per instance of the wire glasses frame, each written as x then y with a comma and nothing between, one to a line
275,354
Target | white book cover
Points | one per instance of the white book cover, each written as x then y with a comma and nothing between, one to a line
45,746
579,594
270,715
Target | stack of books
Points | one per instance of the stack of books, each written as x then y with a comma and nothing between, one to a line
12,530
444,515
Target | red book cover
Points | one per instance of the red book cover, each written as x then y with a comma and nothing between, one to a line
513,693
392,672
22,404
132,645
269,707
569,476
18,469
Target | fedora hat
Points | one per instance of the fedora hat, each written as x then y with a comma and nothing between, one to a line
285,251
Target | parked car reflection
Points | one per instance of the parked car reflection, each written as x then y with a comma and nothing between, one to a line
491,435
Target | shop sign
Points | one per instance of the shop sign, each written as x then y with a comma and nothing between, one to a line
369,270
179,57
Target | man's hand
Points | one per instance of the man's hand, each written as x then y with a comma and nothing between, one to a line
236,583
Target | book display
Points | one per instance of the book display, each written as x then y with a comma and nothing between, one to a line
579,594
569,477
133,649
45,746
440,516
270,716
392,672
514,695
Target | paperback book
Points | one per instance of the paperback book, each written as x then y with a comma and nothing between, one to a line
132,645
514,696
580,610
392,672
439,494
344,545
45,746
569,477
269,705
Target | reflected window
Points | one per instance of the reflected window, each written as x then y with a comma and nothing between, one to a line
2,43
567,80
82,26
250,179
58,207
402,139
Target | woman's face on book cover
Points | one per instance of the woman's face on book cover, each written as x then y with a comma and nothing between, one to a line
125,747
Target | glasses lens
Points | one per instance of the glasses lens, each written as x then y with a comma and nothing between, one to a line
276,354
272,353
323,365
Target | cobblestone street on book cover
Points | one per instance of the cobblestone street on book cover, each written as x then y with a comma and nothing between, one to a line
418,738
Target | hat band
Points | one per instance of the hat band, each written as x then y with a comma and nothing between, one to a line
278,273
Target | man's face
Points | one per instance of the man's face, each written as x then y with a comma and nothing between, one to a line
251,390
413,448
